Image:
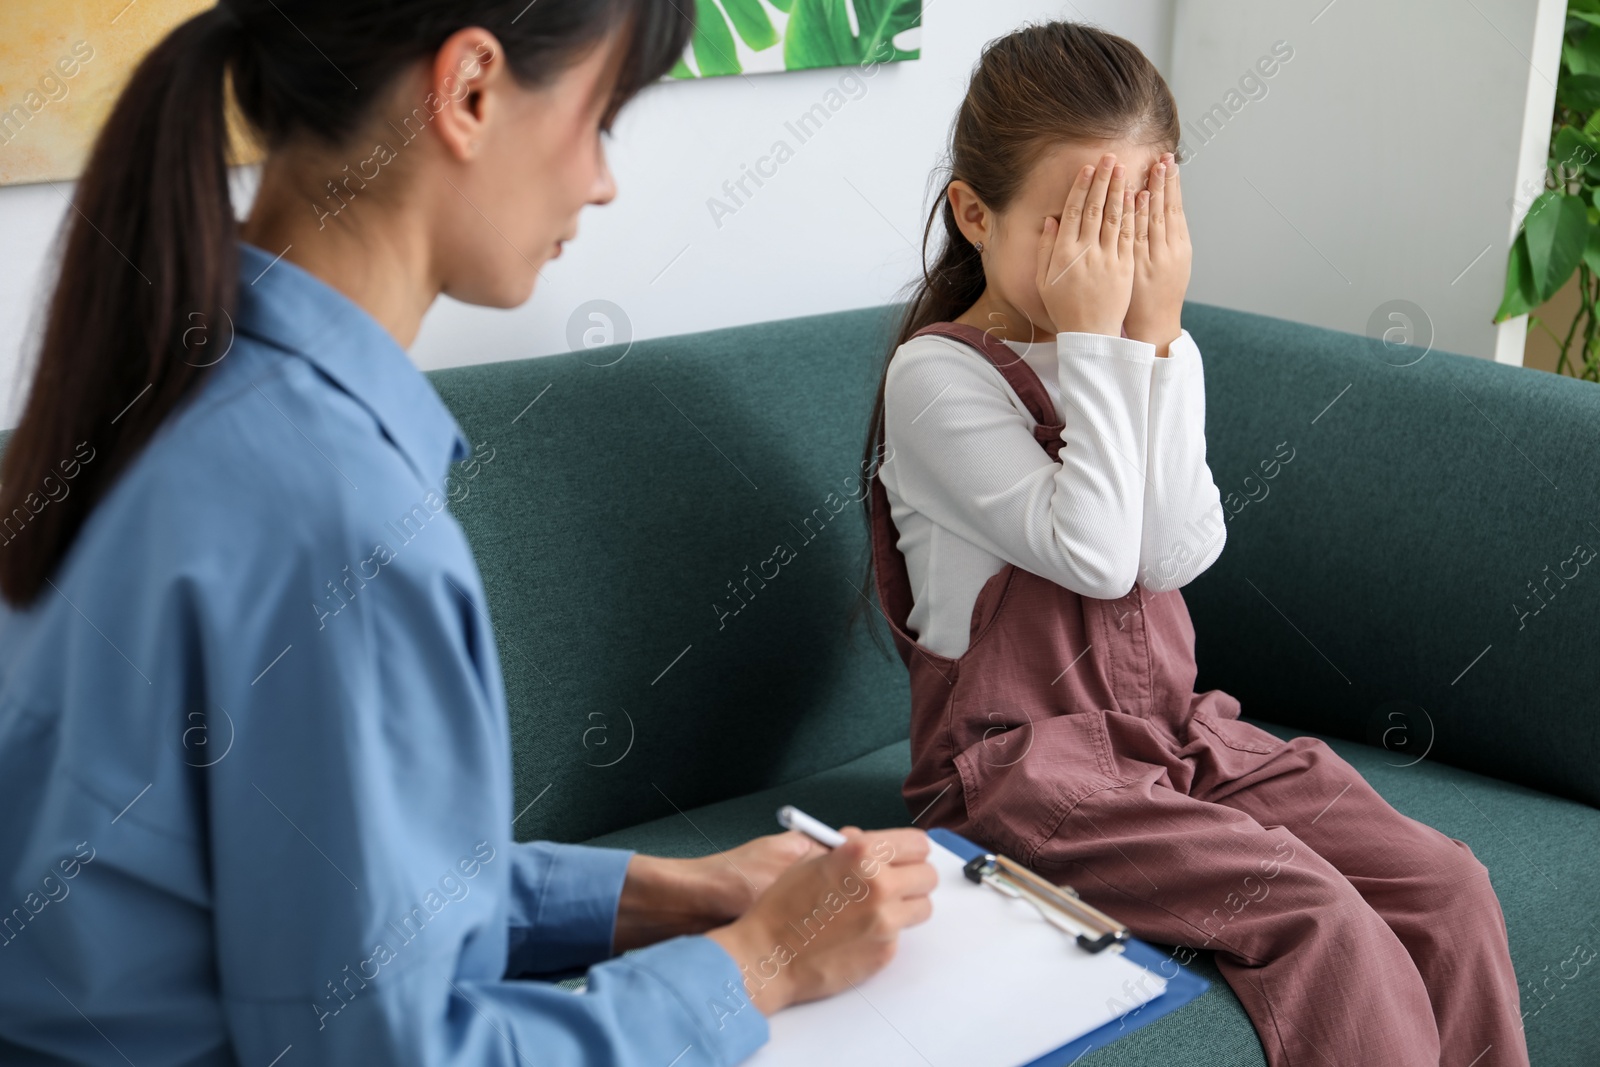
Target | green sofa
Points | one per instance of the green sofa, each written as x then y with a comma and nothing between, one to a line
1402,587
1377,590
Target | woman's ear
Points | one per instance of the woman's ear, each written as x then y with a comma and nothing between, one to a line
972,215
466,72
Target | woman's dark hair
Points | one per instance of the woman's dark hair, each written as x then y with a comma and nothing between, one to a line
1042,86
149,254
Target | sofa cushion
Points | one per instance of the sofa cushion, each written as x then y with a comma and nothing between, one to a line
1538,848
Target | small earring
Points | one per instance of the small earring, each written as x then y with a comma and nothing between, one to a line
979,246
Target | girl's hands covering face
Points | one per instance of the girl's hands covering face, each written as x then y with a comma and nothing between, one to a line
1086,260
1161,257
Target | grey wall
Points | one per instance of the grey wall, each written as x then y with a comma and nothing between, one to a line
1381,164
832,230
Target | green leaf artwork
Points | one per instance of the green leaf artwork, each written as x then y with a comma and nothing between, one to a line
754,36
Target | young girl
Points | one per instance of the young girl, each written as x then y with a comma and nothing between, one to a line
1043,415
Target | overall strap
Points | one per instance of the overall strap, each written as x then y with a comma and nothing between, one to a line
1021,377
889,570
888,565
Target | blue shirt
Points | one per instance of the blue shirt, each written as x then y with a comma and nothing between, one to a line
255,780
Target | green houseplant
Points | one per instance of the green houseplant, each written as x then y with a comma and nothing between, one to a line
1560,234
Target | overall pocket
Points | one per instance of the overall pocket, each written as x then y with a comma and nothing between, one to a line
1020,782
1236,734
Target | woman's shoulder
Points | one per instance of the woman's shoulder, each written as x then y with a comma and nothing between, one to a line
269,464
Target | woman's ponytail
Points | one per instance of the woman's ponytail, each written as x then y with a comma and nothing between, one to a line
144,301
147,280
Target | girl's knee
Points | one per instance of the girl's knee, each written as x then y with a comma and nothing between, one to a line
1314,905
1458,880
1455,860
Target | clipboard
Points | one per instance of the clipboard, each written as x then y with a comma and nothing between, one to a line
986,982
1182,984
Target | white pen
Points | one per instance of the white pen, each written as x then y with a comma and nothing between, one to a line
792,818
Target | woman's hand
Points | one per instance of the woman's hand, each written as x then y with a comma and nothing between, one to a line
831,921
663,898
736,878
1161,257
1086,259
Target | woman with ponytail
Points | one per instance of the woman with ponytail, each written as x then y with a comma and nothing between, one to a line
254,755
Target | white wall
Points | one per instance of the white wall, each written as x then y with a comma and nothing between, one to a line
835,228
1382,165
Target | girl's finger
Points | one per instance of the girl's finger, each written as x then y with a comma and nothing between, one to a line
1047,247
1112,226
1158,204
1094,205
1072,211
1125,232
1174,191
1141,225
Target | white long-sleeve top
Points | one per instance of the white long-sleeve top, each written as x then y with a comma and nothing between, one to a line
970,490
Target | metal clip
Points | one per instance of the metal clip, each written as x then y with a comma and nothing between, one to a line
1060,906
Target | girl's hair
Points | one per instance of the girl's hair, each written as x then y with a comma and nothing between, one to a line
148,255
1032,90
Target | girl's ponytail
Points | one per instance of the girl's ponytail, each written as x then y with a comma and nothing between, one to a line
145,291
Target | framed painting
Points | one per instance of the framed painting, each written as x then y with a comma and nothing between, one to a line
61,67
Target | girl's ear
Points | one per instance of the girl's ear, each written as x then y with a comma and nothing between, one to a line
972,215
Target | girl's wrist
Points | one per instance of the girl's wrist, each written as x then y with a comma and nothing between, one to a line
1102,329
1160,334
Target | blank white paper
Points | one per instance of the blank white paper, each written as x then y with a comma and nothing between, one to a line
985,982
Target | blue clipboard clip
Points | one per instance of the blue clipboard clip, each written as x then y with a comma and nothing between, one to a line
1060,906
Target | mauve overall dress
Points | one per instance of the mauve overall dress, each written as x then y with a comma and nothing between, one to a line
1069,736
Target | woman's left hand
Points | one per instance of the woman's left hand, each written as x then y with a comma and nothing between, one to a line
742,874
663,898
1162,257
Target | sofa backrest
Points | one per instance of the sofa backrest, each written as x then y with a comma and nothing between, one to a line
671,542
661,651
1423,573
1367,590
